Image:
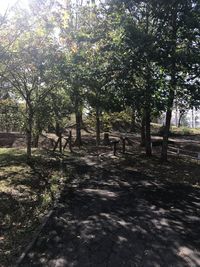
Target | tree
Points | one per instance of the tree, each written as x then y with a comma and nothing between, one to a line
177,43
138,59
27,70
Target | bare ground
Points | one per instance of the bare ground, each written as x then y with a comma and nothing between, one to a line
112,215
119,211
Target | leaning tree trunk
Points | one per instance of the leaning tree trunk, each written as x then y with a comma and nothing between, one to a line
98,131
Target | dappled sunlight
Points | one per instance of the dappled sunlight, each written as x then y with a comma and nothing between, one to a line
99,155
119,218
192,257
26,192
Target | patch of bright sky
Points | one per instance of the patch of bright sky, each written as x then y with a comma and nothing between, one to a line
7,4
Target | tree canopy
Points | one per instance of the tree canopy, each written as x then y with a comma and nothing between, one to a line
59,57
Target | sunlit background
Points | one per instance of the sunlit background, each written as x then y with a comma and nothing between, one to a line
7,4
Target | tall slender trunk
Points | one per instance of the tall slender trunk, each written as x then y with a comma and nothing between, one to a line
36,140
147,114
168,115
133,120
148,93
36,134
148,132
59,134
193,121
29,132
143,135
78,140
167,127
172,85
180,118
176,115
98,131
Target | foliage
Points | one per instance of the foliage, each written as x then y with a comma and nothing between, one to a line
59,57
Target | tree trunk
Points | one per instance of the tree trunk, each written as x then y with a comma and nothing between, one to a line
78,140
180,118
176,116
37,132
36,140
133,120
193,118
172,83
167,126
143,135
59,134
106,140
98,131
148,94
148,132
29,133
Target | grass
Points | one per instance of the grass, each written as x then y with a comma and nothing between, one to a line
26,192
176,130
185,130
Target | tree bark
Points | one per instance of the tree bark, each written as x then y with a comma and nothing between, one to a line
180,118
78,140
172,88
148,94
167,127
148,132
29,133
193,121
143,135
36,140
98,131
133,120
59,134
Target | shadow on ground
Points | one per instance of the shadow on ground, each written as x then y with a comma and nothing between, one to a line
26,192
120,218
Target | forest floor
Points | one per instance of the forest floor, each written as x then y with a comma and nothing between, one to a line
123,210
27,191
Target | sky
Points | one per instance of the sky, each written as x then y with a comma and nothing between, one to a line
4,4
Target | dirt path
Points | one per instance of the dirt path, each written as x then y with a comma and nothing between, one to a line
121,218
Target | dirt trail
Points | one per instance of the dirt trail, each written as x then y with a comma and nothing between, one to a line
110,216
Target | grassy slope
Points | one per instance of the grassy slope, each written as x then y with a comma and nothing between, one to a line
177,130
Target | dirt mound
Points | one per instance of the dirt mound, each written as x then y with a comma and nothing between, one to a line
12,140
